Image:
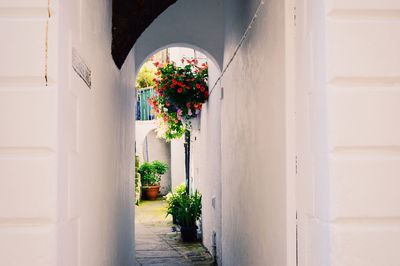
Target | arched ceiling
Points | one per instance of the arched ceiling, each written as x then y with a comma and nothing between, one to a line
197,24
130,19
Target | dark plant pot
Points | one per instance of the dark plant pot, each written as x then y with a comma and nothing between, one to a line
189,233
174,220
150,192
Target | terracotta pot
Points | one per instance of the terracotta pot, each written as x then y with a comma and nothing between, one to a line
189,233
150,192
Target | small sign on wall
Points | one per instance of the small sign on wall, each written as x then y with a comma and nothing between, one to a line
81,68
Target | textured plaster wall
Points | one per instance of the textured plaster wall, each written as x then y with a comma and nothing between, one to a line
206,146
95,144
255,215
349,207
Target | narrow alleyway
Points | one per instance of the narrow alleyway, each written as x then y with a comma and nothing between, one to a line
156,244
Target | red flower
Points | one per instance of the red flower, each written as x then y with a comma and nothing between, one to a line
202,89
180,90
167,104
198,85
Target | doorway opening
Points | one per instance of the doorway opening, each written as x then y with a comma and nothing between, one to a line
158,236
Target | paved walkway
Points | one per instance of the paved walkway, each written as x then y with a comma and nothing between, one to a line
157,245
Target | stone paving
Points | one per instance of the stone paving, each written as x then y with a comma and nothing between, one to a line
156,243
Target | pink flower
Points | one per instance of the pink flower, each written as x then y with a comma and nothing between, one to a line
179,114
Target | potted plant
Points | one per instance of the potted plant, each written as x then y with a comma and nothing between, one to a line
172,199
150,173
188,212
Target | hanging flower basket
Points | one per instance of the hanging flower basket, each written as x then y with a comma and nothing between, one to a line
180,93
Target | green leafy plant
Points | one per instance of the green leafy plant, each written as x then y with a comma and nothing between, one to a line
138,183
180,93
160,168
172,199
151,172
188,209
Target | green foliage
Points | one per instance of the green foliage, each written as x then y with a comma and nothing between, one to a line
189,209
186,208
138,183
180,189
151,172
145,77
172,199
180,93
160,168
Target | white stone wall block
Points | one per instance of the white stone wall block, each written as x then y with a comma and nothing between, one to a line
374,5
23,50
362,48
23,3
364,117
28,119
28,188
365,187
366,244
34,245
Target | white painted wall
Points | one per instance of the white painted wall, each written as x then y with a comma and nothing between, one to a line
206,164
28,134
313,184
257,224
159,149
96,142
177,162
349,155
66,151
142,129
